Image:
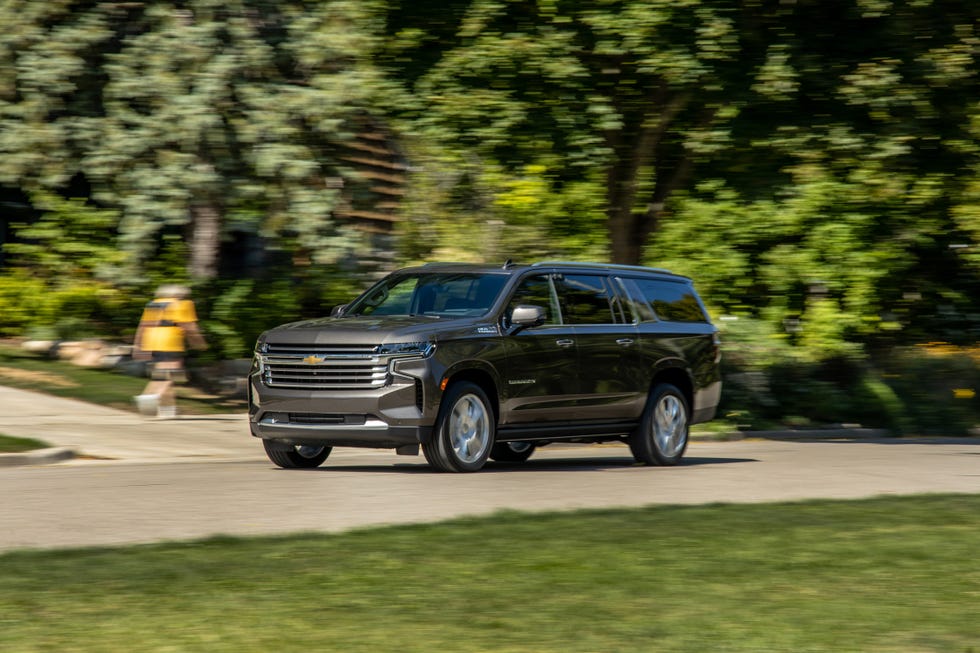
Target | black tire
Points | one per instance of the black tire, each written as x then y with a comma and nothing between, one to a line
295,456
464,432
661,438
511,452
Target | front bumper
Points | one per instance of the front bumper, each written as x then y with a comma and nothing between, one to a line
391,417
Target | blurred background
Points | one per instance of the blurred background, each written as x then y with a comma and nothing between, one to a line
814,166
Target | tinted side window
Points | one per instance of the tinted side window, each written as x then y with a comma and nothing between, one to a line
671,301
585,299
536,291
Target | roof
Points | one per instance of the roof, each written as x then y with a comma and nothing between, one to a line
509,266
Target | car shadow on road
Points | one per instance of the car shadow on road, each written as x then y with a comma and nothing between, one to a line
600,464
540,465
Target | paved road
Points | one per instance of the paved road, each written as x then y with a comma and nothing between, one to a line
192,478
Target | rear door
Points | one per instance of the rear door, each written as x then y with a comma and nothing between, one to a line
675,331
613,381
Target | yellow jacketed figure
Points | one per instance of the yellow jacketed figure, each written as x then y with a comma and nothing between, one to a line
167,327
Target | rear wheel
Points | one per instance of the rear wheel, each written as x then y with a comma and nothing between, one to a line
661,438
464,431
298,456
511,452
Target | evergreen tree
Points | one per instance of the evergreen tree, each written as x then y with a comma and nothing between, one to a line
191,118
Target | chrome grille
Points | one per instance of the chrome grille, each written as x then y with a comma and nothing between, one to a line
323,367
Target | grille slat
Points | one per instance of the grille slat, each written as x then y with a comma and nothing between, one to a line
322,350
324,367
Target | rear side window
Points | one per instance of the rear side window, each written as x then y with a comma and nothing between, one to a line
669,300
585,299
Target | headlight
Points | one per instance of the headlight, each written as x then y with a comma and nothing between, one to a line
406,349
260,348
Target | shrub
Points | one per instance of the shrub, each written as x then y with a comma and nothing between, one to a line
242,310
75,309
19,299
938,385
89,310
921,390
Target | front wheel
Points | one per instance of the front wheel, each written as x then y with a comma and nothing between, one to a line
295,456
661,438
464,431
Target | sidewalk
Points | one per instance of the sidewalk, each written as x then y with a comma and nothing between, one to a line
77,429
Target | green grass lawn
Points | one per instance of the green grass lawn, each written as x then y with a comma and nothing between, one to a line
20,369
890,574
10,444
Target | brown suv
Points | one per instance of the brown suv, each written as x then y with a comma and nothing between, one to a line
475,362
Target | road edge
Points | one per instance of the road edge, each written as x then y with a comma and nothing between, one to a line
37,457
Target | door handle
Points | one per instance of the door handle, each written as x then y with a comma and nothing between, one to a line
624,342
565,342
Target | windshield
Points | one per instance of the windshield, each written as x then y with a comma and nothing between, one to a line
437,294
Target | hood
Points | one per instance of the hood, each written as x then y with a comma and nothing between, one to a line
364,330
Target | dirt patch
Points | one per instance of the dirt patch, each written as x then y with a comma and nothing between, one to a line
32,376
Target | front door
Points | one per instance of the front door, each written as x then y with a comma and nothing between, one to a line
541,381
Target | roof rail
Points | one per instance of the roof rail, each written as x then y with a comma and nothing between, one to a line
608,266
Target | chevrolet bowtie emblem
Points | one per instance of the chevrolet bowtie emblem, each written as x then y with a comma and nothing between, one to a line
313,359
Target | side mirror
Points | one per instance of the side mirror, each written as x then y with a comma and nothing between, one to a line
338,311
525,316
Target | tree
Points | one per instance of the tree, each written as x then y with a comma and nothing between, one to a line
638,91
195,118
844,187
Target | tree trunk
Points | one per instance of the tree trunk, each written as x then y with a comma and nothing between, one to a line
620,193
637,148
205,241
625,246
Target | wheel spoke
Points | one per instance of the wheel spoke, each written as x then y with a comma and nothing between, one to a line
669,425
469,432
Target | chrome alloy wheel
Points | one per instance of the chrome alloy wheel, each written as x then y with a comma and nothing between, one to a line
469,429
670,425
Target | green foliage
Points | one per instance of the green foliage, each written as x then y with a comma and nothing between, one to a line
827,261
629,93
244,310
235,313
70,240
939,385
525,215
83,310
67,310
169,263
182,116
19,294
924,390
